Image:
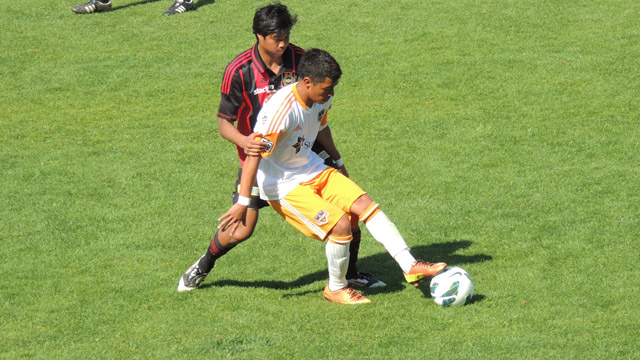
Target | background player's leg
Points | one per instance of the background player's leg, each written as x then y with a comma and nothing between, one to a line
355,277
220,245
354,249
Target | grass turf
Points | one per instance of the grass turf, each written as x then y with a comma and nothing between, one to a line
499,136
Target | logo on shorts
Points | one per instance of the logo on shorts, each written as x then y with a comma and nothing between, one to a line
322,217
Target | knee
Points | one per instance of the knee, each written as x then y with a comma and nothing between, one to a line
241,234
361,205
342,227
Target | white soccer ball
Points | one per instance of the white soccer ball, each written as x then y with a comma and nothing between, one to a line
453,287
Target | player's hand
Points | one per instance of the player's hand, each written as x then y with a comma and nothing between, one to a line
343,171
253,147
232,218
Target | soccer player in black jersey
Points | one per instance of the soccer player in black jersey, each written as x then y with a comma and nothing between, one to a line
248,81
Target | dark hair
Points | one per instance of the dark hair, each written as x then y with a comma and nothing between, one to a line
273,19
317,65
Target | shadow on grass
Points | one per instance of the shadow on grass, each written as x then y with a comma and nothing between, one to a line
199,4
381,266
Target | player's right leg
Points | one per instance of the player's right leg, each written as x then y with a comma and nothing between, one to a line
386,233
317,218
337,251
92,6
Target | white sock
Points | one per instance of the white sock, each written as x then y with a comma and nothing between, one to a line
386,233
338,259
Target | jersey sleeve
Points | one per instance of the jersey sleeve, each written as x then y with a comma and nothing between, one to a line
231,95
272,121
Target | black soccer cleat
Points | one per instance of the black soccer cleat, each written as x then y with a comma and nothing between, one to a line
92,6
192,278
365,280
180,6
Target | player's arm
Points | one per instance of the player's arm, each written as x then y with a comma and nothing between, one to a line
326,140
251,146
232,97
236,214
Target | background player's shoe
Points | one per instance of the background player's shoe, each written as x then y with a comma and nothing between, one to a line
92,6
192,278
421,269
346,295
365,280
180,6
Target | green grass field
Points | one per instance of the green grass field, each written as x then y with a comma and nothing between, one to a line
499,136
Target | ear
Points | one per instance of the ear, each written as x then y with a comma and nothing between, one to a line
307,82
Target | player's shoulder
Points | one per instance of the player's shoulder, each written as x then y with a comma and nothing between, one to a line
280,103
296,49
241,60
281,96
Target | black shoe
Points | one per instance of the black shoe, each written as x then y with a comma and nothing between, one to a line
192,278
180,6
365,280
92,6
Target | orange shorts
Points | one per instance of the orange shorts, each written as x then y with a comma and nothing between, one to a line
314,207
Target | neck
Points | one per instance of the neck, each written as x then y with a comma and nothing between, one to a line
272,62
304,94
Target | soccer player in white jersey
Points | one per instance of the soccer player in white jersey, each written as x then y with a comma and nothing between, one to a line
316,199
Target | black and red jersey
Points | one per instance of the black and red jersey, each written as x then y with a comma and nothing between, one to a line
246,83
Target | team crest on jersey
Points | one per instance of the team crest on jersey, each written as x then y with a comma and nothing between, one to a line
322,217
269,145
288,78
321,114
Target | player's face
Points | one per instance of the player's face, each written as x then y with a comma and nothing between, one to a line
321,92
274,44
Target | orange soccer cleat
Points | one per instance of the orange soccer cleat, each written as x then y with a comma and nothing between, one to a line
421,269
346,295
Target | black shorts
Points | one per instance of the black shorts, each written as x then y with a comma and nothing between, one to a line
256,203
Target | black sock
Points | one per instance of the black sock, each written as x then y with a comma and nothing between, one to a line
215,251
354,247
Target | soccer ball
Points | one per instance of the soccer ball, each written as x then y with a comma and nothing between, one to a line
453,287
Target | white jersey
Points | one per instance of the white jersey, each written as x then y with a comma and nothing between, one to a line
290,129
